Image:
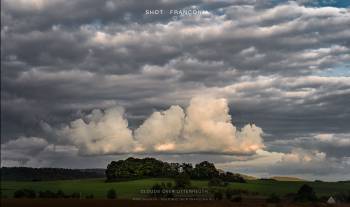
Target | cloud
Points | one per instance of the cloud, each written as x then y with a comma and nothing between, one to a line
61,50
161,130
338,140
301,156
26,4
301,161
334,145
22,149
304,163
103,133
205,127
38,152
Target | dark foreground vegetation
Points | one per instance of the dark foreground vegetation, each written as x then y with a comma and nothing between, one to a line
42,174
133,168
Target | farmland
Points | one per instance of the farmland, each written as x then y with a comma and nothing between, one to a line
132,188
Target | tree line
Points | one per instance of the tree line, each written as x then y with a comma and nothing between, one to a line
134,168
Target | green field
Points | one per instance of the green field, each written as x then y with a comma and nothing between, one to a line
130,189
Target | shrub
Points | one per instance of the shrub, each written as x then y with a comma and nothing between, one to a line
47,194
273,198
237,199
229,193
182,181
2,195
218,195
111,194
75,195
60,194
91,196
18,194
156,190
305,194
24,193
215,182
169,185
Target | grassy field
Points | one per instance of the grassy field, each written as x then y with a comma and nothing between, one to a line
131,189
266,187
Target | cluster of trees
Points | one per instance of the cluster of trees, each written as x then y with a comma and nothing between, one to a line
133,168
138,168
39,174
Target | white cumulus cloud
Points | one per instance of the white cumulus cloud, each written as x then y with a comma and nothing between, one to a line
204,126
101,133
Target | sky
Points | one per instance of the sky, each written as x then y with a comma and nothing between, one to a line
257,87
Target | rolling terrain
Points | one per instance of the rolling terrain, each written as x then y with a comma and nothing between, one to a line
132,188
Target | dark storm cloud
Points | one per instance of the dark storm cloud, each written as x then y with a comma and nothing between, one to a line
42,15
61,59
334,145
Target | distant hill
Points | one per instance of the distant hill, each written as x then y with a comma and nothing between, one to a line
41,174
344,181
286,178
248,177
